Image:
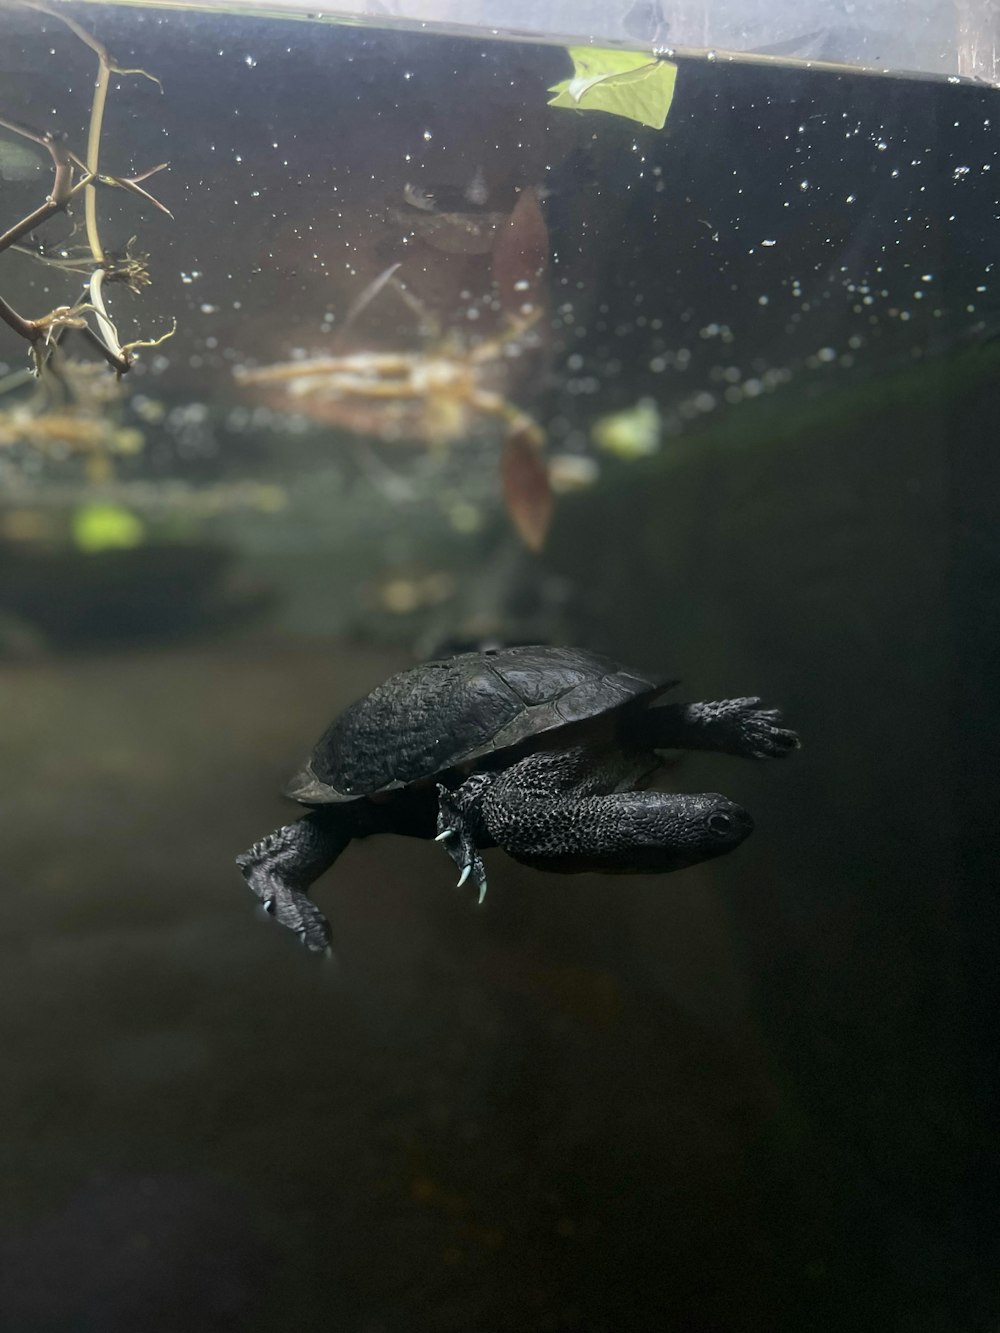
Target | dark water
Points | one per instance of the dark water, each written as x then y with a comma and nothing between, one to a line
757,1094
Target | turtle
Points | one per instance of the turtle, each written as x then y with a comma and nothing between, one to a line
546,752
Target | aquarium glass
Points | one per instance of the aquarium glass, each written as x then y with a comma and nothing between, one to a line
331,344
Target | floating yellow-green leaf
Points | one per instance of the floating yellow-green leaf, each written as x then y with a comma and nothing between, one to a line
634,433
106,527
623,83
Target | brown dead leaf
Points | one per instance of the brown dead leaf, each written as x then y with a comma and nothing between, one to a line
527,492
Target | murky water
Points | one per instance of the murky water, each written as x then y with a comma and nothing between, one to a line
736,378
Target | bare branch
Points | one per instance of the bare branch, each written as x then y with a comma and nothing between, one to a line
71,176
62,184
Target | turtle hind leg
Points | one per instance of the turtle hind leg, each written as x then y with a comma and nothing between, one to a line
728,726
281,867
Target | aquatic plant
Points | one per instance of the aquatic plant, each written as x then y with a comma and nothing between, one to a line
440,396
71,407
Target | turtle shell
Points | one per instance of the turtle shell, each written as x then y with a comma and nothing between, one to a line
456,711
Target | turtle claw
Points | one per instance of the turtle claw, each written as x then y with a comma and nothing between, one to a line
476,871
455,834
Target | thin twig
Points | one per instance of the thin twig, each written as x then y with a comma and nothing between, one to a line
25,328
62,184
120,363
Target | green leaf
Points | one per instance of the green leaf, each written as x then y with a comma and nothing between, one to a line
623,83
105,527
633,433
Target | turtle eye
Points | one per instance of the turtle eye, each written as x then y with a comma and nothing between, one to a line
720,823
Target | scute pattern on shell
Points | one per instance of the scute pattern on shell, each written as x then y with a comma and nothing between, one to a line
435,716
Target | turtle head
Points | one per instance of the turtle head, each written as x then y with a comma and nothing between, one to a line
696,828
658,832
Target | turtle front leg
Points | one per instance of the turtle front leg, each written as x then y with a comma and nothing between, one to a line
281,867
459,829
729,726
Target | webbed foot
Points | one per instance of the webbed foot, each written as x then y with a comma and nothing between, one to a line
289,907
744,728
277,868
455,833
727,726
